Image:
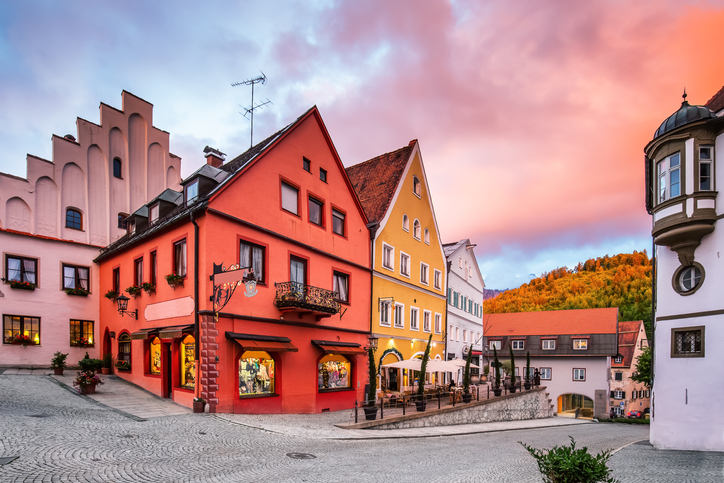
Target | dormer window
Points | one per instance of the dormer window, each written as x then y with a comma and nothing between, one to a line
131,227
416,186
153,213
192,191
705,165
669,177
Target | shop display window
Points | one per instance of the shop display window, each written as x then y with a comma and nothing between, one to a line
256,373
155,353
334,372
188,362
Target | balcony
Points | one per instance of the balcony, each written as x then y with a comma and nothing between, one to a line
305,299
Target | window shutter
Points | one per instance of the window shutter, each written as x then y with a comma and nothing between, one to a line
612,395
623,394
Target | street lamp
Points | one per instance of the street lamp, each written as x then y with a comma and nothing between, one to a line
122,302
372,342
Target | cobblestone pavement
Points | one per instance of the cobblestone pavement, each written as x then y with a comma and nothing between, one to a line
60,436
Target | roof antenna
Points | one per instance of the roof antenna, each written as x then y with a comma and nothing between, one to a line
250,110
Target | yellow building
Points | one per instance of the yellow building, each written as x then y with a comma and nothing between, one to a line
408,262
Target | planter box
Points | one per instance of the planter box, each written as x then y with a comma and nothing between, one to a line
22,286
79,293
58,371
199,406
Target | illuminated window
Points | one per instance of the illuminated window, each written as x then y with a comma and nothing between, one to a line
256,373
580,344
124,349
334,372
188,364
17,327
154,351
81,333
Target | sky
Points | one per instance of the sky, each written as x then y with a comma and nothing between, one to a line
532,116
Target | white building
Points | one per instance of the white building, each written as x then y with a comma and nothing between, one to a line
682,180
464,303
54,221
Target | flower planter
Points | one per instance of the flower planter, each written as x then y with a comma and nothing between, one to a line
173,285
105,370
199,406
370,412
77,292
420,405
497,391
467,397
526,385
89,389
58,371
23,286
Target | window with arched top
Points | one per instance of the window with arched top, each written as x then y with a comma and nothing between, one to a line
256,373
333,372
117,168
154,351
416,228
123,360
427,236
73,219
188,364
416,186
405,223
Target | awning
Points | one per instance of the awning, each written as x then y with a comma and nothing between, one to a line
252,342
175,331
477,353
330,347
142,334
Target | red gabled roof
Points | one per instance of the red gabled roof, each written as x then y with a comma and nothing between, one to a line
552,322
716,103
628,333
376,180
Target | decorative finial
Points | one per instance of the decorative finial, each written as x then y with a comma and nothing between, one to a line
684,96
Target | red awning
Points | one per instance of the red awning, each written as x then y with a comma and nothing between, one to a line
250,342
348,348
477,353
142,334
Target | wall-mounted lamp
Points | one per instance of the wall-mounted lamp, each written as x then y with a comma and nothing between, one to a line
372,342
122,302
113,334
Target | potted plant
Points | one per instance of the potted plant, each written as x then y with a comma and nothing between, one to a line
420,403
57,363
370,408
81,292
199,405
527,371
148,287
22,285
111,295
174,280
512,370
467,397
486,373
107,363
86,382
496,384
133,291
123,366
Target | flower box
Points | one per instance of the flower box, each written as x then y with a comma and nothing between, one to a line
134,291
23,285
174,280
123,366
111,295
77,291
81,342
149,288
23,340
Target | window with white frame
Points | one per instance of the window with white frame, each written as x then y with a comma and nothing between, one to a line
153,213
437,280
546,373
388,256
669,175
426,322
451,333
427,236
414,318
618,359
618,394
457,334
424,273
548,344
438,323
399,316
385,313
465,335
633,395
518,345
579,374
192,191
705,168
405,223
495,344
404,264
580,344
416,229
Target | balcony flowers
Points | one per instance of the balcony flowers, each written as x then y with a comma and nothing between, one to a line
82,342
111,295
19,339
133,291
81,292
148,287
22,285
174,280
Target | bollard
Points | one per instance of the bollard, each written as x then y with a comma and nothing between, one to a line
355,412
439,400
382,407
404,404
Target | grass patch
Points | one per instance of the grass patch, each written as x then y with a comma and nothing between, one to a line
626,421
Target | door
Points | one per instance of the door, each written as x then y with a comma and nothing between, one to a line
168,370
298,277
393,380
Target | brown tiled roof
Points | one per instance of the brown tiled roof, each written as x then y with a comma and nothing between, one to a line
628,333
716,103
376,180
552,322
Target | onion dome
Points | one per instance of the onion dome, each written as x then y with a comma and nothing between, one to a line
685,115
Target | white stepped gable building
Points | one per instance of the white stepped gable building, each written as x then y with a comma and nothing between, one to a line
54,222
682,183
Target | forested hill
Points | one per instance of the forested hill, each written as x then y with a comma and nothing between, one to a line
622,281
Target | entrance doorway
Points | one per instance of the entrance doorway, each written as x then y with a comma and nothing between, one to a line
575,406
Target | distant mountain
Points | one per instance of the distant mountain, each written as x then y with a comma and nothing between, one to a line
622,281
489,293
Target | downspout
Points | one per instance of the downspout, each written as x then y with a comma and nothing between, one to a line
197,333
652,341
372,227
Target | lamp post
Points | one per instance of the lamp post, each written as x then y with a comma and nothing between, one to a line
122,302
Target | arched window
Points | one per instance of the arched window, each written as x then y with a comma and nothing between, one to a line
154,352
416,186
334,372
188,362
427,236
405,223
416,229
256,373
73,219
117,168
124,352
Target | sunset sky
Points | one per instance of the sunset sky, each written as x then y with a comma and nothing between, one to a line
532,115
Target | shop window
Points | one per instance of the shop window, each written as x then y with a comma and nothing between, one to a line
21,269
580,344
251,255
75,277
256,373
154,352
334,372
290,198
179,258
117,168
188,362
687,342
338,222
81,333
316,210
341,286
73,219
21,329
124,349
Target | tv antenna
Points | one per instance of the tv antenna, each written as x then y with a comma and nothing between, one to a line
249,111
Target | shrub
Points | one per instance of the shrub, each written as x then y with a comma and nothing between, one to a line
566,464
58,360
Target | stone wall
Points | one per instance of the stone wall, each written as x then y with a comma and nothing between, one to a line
532,404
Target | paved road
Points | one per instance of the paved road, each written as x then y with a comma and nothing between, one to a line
60,436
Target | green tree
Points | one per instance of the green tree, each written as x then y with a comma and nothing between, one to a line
643,368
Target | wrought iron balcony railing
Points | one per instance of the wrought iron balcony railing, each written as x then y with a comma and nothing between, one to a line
295,295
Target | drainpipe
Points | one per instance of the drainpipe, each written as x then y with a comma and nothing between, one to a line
372,227
654,275
196,304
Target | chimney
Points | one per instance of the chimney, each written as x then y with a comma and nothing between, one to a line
214,157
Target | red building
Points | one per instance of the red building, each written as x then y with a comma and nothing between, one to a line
286,209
